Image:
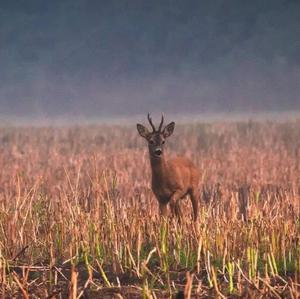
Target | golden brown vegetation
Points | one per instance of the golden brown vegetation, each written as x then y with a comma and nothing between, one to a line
78,217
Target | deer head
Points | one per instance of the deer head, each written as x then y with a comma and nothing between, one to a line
156,138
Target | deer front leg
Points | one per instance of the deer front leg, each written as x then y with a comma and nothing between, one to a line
175,204
163,209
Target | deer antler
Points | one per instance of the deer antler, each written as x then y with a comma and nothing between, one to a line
161,123
150,121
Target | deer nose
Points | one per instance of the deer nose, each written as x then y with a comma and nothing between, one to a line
158,152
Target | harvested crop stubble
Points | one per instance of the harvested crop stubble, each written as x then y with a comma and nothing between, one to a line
77,215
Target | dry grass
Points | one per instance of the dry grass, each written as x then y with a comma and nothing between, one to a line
78,218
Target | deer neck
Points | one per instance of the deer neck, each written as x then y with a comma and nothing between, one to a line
158,167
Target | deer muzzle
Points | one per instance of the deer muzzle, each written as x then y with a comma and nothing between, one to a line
158,151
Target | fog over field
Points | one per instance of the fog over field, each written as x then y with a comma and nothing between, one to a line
80,59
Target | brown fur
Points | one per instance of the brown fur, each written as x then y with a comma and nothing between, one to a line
172,179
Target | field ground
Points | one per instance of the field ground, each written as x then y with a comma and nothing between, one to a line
78,217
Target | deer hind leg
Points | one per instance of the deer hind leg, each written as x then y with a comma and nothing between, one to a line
178,211
194,194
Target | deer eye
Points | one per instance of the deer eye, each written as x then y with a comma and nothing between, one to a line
151,141
163,142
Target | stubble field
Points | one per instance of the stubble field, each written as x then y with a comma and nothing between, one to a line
78,218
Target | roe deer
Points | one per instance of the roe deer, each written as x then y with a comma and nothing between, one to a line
172,179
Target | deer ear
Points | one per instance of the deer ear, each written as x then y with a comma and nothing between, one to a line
143,131
169,129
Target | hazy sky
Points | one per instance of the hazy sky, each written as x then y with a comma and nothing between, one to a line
102,58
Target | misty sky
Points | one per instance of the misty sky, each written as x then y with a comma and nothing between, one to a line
110,58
